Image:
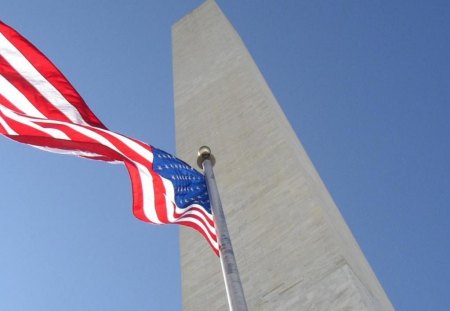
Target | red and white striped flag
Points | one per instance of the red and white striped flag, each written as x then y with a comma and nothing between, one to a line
39,107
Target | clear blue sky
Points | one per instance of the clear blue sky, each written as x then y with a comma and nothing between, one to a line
365,85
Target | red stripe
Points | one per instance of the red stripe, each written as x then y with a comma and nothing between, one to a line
213,234
2,130
22,128
28,90
201,210
50,73
78,141
7,103
205,217
69,131
75,135
90,143
136,187
121,146
146,146
66,145
160,196
98,158
124,147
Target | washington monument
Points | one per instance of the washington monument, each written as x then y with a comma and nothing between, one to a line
293,248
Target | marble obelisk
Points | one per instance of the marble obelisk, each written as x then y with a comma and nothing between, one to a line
293,248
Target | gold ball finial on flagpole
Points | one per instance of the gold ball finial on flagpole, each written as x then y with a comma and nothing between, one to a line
204,152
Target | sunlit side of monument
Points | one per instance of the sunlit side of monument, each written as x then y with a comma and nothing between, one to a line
292,246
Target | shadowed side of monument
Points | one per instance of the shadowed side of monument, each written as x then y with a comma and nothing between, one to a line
292,246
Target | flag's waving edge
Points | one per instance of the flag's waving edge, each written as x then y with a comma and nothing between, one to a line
39,107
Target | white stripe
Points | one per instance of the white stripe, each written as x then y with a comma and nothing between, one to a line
202,216
15,97
170,198
101,140
6,126
55,133
184,210
146,154
91,134
148,197
80,129
200,224
86,130
19,62
70,152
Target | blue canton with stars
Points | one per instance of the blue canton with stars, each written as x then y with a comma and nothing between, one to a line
189,185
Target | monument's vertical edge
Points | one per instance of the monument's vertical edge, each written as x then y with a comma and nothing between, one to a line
293,248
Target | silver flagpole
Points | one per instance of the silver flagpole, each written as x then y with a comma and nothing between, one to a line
235,292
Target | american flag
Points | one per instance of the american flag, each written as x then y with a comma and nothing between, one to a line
39,107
